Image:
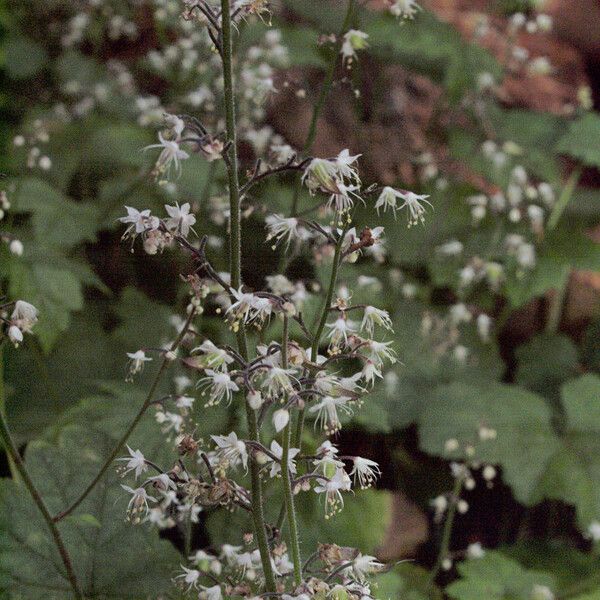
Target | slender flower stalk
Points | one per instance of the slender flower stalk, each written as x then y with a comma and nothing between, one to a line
235,259
121,443
286,475
16,459
323,93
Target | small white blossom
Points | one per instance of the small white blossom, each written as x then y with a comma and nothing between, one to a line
135,462
327,412
180,219
231,449
365,472
190,577
136,362
353,40
364,565
171,155
285,230
281,418
475,550
138,505
405,9
277,451
219,385
375,316
333,488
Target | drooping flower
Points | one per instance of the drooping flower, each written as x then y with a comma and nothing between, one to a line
364,565
406,9
340,329
180,219
353,40
286,230
135,462
277,451
380,351
344,161
190,577
281,418
365,471
213,356
375,316
219,385
333,488
231,449
171,155
139,221
327,412
210,593
138,504
136,363
412,202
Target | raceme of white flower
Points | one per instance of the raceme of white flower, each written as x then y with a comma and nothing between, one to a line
320,373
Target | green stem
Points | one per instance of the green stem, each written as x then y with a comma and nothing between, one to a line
235,258
119,446
286,475
14,455
564,198
447,533
314,352
323,93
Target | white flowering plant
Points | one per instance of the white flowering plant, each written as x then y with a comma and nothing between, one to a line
306,303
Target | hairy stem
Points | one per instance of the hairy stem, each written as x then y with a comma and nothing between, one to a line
16,459
235,258
119,446
286,475
323,93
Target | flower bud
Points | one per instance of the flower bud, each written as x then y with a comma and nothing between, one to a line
281,418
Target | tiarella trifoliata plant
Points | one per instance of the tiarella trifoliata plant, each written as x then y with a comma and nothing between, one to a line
297,374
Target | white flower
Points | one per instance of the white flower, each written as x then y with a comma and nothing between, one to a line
24,316
190,577
327,412
344,161
135,462
214,357
541,592
321,174
340,330
169,420
140,221
285,230
171,154
220,386
450,248
333,488
484,325
475,550
184,402
180,218
16,247
164,483
365,471
138,505
526,256
281,418
411,201
15,335
370,371
249,308
136,364
230,553
231,449
341,199
277,451
593,531
210,593
353,40
364,565
375,316
406,9
278,381
380,351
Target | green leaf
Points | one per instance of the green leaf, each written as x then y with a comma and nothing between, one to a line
496,577
581,140
57,221
116,560
24,57
522,420
545,363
